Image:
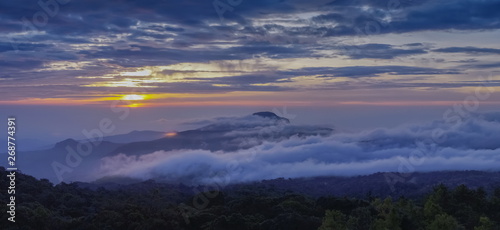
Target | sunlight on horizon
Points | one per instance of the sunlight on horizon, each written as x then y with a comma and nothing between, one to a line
133,97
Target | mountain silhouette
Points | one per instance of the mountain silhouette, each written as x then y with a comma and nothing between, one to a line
230,134
271,115
227,135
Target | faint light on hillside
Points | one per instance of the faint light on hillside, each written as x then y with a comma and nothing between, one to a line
171,134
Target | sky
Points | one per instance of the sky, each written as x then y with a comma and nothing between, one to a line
352,64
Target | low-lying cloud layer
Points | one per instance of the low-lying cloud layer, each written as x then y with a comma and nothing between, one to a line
470,143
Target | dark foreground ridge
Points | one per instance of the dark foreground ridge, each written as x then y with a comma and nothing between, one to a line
265,205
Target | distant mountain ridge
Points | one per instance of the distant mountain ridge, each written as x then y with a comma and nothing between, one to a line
376,184
135,136
225,135
380,184
219,136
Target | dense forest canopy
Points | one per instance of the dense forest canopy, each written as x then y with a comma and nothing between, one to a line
151,205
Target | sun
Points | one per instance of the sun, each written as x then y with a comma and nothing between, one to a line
133,97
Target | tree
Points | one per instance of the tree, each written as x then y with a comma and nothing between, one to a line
465,205
485,224
360,219
388,217
412,216
432,209
334,220
444,222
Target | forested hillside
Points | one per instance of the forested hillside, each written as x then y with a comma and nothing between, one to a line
151,205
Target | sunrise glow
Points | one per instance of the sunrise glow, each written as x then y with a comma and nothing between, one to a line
133,97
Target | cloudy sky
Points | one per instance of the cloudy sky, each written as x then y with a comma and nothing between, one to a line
320,53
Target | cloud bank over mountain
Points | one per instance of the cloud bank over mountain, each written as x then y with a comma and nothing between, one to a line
452,144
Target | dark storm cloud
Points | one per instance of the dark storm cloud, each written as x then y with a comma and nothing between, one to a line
6,46
377,51
365,71
246,82
373,71
245,79
458,14
209,87
468,50
481,66
90,18
147,55
322,72
419,15
85,17
80,18
373,84
414,44
360,18
20,64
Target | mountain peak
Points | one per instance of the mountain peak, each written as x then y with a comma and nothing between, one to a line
271,115
67,142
